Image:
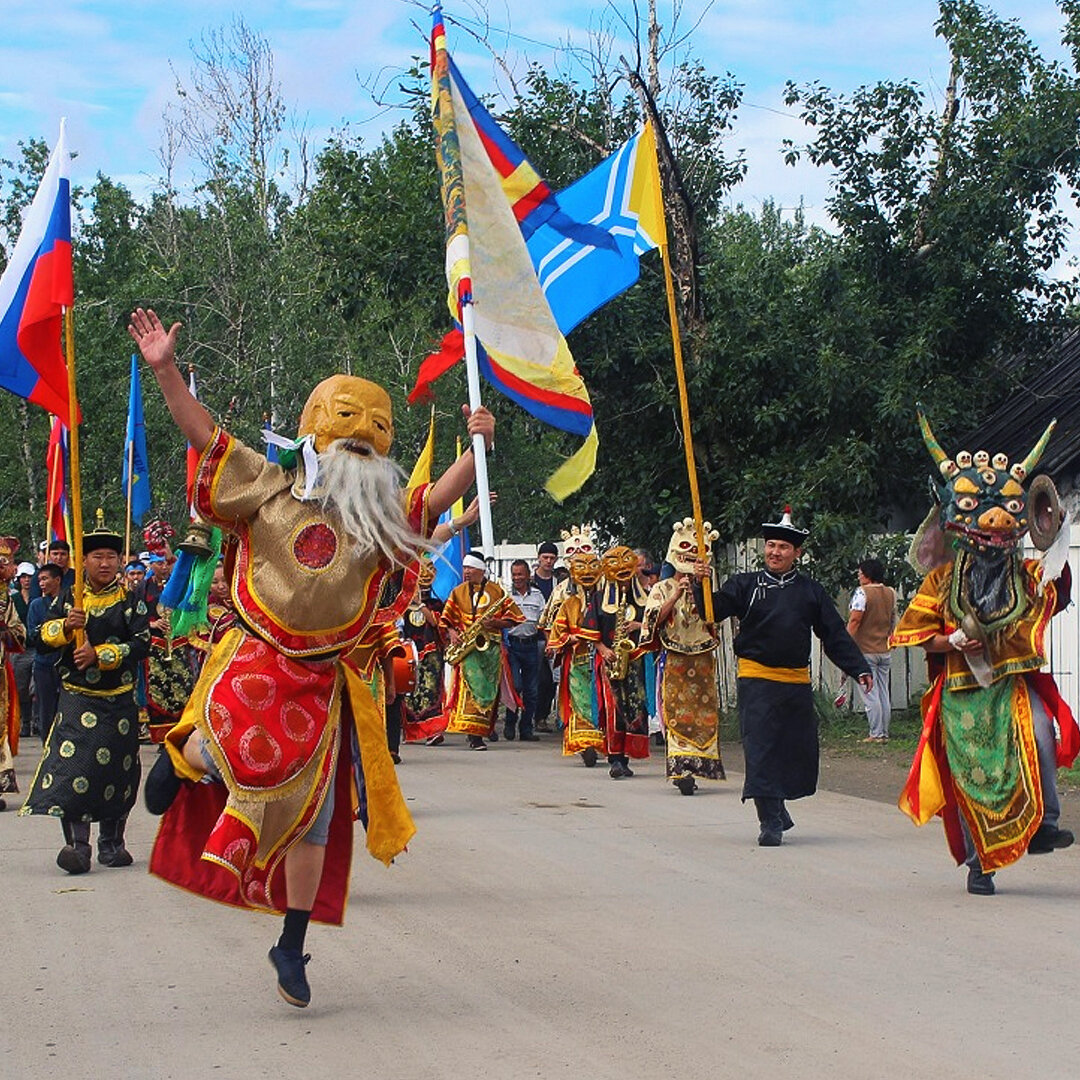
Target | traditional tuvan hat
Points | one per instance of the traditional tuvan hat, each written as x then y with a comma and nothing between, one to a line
784,530
100,537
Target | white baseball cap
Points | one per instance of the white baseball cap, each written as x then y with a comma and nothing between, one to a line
25,568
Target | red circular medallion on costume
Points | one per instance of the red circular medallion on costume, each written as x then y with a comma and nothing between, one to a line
315,546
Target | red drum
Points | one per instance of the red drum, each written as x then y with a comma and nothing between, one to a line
405,669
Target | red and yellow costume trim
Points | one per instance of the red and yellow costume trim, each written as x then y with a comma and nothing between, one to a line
1000,832
280,731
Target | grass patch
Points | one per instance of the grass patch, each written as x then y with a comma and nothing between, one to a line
843,730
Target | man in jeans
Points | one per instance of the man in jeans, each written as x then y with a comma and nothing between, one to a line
523,652
544,579
870,622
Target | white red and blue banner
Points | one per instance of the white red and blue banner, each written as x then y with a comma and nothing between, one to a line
35,288
621,199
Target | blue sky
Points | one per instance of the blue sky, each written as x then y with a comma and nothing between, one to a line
108,65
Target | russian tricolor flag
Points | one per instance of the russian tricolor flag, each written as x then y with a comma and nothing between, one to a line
35,288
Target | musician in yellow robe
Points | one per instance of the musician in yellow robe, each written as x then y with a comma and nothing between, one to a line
475,614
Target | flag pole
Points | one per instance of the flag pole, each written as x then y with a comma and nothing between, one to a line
76,496
684,411
479,448
130,486
50,496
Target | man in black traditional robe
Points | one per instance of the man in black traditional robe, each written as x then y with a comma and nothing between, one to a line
777,609
90,770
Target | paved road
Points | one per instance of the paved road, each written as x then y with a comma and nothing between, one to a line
549,922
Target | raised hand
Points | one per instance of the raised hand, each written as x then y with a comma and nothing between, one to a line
158,346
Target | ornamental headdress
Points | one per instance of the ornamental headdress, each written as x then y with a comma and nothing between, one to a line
982,504
578,538
784,530
682,551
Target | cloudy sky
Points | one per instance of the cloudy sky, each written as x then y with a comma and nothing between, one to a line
108,65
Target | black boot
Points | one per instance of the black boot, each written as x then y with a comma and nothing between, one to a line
74,857
111,850
772,822
162,784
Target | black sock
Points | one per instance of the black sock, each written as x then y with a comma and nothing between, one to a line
294,930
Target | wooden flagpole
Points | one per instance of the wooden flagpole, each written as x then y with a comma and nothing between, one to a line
676,344
130,486
73,434
50,495
688,440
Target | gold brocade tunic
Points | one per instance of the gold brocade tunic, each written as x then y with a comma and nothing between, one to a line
298,584
687,694
573,639
685,631
1014,649
476,682
979,742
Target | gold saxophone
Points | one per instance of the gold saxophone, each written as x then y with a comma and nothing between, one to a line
475,639
621,646
165,614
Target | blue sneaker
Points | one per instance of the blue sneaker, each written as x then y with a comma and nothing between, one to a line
292,981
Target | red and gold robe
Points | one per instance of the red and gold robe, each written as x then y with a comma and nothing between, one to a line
283,709
977,756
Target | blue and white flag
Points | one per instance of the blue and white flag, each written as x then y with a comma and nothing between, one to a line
135,453
622,197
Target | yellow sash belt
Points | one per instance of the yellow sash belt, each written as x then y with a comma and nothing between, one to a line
751,669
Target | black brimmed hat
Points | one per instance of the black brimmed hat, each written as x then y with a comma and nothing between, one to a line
784,530
100,537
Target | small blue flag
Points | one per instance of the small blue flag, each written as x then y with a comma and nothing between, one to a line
135,450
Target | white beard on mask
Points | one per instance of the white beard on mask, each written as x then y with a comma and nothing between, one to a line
363,491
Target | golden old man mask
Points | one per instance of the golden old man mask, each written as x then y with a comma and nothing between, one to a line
348,407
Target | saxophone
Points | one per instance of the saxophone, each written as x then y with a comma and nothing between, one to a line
475,639
621,645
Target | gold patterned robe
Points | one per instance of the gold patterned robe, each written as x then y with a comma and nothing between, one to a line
687,697
282,707
977,755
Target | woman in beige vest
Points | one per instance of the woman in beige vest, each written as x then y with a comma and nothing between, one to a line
871,621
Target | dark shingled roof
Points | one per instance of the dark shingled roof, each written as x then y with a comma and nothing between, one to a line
1051,390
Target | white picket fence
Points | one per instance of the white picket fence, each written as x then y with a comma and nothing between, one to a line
908,672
